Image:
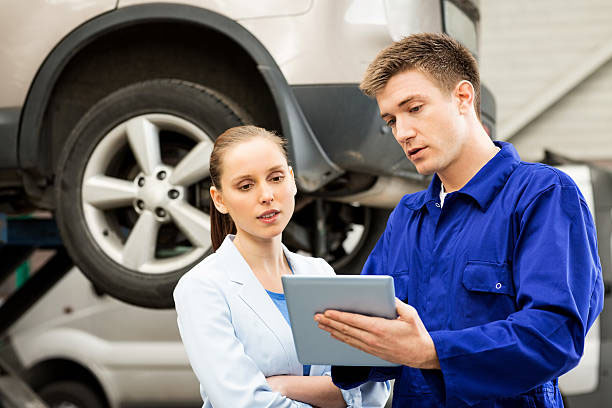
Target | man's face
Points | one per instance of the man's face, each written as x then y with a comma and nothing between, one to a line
425,120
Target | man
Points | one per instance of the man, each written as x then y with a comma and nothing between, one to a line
495,263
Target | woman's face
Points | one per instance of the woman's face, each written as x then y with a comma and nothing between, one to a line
257,188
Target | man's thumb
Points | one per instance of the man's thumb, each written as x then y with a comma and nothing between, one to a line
403,309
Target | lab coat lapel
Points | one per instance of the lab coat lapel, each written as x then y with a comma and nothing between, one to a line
297,265
255,296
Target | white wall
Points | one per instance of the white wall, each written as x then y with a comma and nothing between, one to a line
549,64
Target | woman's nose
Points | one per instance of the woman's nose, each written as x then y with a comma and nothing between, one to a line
266,194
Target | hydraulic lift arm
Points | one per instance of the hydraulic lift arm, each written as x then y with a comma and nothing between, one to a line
19,238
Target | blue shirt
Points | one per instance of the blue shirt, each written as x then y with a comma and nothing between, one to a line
506,279
281,303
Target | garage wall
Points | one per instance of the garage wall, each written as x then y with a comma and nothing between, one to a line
549,64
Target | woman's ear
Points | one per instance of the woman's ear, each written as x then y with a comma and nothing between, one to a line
293,180
217,198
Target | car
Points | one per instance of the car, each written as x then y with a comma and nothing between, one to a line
586,384
109,109
77,347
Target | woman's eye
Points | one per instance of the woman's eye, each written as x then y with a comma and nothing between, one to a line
391,123
278,178
245,187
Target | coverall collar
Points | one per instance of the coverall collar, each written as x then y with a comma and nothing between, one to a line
484,186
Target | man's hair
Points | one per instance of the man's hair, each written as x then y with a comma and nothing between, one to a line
443,59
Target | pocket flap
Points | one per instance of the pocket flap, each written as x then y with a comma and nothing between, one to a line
401,283
488,277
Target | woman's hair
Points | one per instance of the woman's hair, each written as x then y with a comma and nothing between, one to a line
222,224
440,57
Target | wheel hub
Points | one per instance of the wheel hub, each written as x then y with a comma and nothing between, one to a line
155,192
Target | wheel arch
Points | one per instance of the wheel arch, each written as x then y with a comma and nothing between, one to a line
61,369
43,129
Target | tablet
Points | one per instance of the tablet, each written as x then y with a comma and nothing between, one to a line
309,294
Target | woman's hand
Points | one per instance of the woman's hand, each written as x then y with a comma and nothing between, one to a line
318,391
277,383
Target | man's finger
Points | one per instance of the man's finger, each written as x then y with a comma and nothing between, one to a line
325,327
335,333
320,318
332,319
351,319
403,309
334,326
358,344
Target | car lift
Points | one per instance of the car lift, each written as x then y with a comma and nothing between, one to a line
19,238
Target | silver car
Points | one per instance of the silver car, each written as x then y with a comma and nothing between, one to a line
109,108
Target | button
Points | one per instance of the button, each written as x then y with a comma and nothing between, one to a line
438,205
498,285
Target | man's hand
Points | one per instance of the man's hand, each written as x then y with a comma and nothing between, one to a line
403,340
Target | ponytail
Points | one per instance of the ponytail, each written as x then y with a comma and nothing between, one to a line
220,226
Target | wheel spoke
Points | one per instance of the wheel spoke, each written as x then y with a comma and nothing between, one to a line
108,192
141,244
194,223
194,166
143,137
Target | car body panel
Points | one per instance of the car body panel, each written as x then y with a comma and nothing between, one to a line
135,353
313,168
304,54
303,51
335,41
239,9
30,30
584,378
588,385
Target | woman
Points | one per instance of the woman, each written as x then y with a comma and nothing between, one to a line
231,311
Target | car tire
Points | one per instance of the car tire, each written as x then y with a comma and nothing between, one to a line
70,394
341,233
374,226
132,185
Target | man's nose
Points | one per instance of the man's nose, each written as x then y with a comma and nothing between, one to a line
404,130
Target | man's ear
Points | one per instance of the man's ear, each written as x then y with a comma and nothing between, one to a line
293,180
217,198
464,92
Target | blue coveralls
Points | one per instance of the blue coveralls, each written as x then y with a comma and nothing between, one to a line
506,279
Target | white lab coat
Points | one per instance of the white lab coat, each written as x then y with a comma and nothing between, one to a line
235,336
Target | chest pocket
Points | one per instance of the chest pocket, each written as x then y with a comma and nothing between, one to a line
489,293
401,283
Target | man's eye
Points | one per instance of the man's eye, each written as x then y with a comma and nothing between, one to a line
391,123
278,179
245,187
416,108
